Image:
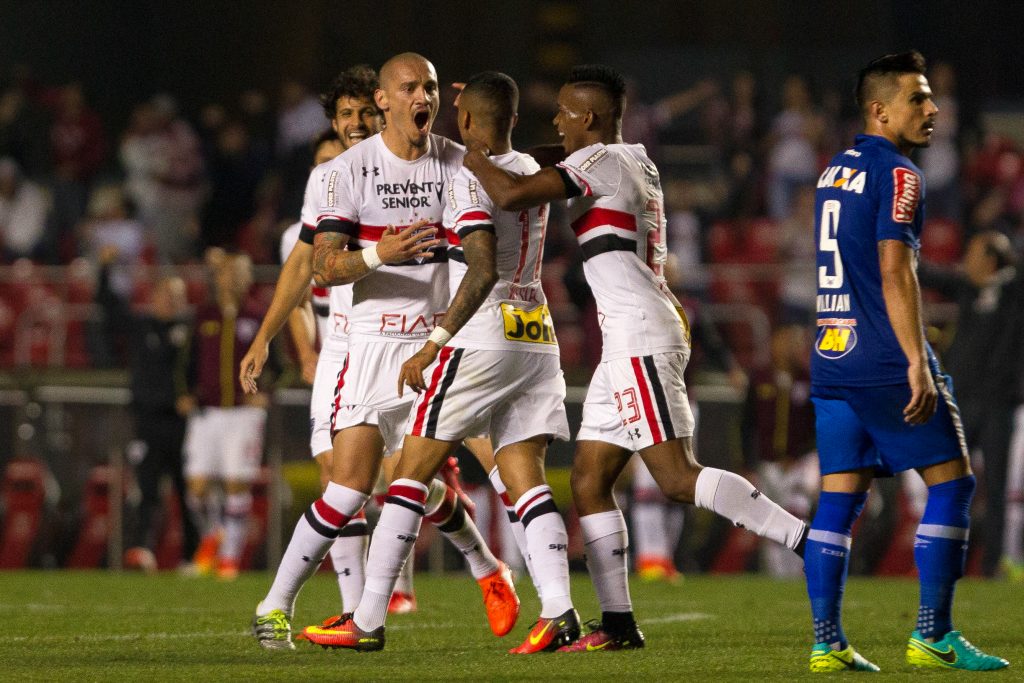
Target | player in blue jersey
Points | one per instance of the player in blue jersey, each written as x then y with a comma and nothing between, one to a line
882,405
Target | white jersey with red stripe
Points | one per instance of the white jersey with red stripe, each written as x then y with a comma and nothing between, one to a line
331,305
368,188
619,221
515,316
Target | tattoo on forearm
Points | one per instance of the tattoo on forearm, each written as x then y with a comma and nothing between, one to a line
332,265
479,248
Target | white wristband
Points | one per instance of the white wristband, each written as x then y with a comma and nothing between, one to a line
440,336
371,258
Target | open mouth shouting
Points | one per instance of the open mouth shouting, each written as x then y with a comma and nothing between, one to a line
422,120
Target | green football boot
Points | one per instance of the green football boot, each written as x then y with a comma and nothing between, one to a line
952,652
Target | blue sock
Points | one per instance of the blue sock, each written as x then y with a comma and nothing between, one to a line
940,551
826,560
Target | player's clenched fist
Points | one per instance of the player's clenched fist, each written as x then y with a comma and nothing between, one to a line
412,369
413,242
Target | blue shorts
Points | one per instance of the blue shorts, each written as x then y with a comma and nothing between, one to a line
860,427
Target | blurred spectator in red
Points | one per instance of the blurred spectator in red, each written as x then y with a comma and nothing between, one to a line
24,207
164,169
940,161
792,157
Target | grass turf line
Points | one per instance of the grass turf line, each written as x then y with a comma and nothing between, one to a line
99,626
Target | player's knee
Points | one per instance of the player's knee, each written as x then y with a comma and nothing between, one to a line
681,486
589,489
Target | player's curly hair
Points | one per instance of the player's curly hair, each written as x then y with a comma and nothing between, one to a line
357,82
605,77
870,76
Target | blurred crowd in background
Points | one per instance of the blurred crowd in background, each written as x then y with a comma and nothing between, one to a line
739,158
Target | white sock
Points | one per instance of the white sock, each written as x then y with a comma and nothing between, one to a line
607,546
548,544
205,512
518,532
237,507
650,539
393,542
314,533
348,555
1013,534
444,510
736,499
404,583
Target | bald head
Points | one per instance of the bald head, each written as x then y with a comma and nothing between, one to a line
394,67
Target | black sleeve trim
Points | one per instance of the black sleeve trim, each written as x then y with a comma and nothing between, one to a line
338,225
470,229
306,233
571,188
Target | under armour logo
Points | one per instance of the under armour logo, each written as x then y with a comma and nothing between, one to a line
634,433
756,494
375,171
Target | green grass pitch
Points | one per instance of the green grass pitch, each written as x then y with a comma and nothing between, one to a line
100,626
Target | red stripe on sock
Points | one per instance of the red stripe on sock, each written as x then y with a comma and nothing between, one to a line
329,514
521,510
445,509
410,492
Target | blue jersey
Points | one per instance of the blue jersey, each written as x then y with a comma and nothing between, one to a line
868,193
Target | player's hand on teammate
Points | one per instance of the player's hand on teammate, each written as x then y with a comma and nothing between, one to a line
924,397
412,369
413,242
252,364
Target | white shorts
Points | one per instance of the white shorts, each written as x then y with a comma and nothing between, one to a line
638,402
325,394
510,395
225,443
368,389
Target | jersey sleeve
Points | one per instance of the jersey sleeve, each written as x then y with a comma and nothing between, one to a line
288,240
338,211
469,207
899,206
310,205
593,170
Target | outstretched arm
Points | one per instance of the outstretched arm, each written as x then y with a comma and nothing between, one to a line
479,248
903,304
292,286
514,192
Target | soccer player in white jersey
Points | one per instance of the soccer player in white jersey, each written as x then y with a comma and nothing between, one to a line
491,365
400,289
637,398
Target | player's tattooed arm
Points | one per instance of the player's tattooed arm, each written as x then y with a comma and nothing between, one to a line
332,265
514,192
479,249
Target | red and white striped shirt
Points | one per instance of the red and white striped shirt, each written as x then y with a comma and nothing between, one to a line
515,315
619,221
366,189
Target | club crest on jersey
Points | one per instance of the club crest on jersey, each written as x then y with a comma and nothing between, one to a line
906,194
848,179
836,337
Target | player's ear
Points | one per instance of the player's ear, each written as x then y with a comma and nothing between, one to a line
381,99
589,120
515,120
878,112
